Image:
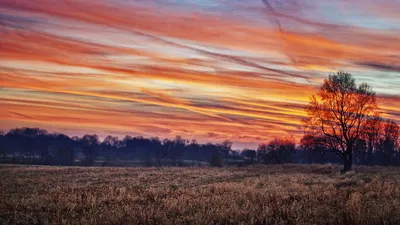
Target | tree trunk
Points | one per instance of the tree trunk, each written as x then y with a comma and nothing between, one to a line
348,159
370,153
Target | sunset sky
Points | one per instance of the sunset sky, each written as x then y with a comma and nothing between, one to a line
206,69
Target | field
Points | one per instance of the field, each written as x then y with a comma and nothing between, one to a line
288,194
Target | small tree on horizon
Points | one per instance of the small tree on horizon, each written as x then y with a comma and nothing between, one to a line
389,143
277,151
340,111
372,133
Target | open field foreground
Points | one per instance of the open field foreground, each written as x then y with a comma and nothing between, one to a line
289,194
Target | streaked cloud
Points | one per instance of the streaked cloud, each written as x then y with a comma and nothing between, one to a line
210,70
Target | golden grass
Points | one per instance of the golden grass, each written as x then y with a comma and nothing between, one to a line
288,194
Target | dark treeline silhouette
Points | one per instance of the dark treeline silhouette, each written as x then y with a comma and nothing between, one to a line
37,146
378,146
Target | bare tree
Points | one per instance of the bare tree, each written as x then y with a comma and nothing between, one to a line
372,135
314,147
262,153
226,148
277,151
340,111
389,142
108,144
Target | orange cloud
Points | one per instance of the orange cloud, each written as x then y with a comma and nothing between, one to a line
166,72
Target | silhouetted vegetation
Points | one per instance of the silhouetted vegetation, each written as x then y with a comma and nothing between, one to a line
277,151
378,145
37,146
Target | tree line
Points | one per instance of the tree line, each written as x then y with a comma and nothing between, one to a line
38,146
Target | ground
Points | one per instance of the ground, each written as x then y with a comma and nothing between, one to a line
286,194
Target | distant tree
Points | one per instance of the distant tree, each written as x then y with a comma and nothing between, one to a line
178,149
280,150
109,144
41,147
360,151
156,149
76,139
248,153
167,148
371,134
226,148
28,141
90,145
65,153
339,111
262,153
277,151
207,151
129,146
389,142
314,148
193,151
174,149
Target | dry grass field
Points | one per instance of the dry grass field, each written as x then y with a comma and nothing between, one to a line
288,194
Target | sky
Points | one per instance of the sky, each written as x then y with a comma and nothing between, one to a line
209,70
